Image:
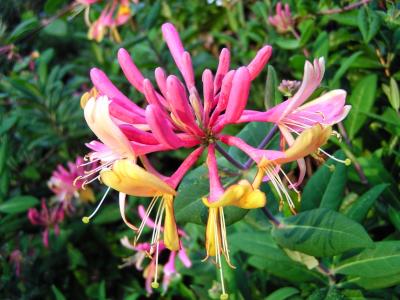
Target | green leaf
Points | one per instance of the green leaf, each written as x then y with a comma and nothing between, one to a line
266,255
108,214
307,29
368,23
392,93
381,260
394,217
57,293
8,123
272,96
321,232
57,28
360,208
288,44
326,187
372,283
282,293
344,66
153,15
321,45
18,204
23,29
362,99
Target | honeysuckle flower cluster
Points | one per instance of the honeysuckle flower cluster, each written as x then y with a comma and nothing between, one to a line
68,184
48,218
146,250
179,115
282,20
115,13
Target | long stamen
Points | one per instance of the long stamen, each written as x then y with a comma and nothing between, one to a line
146,217
347,161
155,283
288,179
225,249
224,295
87,219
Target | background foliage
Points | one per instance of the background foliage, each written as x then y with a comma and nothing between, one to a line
349,217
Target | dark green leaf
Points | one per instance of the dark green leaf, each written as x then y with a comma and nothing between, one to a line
362,99
57,293
326,187
282,293
360,208
321,232
381,260
344,66
18,204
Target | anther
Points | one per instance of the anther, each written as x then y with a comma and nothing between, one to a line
224,296
156,285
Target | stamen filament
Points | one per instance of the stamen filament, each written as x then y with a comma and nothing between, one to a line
347,161
87,219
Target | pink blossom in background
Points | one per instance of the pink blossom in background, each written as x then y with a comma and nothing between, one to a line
67,183
16,259
48,218
282,20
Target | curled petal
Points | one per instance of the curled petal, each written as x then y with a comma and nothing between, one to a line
98,119
312,78
122,199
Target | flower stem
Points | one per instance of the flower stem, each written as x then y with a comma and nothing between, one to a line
229,158
263,143
249,162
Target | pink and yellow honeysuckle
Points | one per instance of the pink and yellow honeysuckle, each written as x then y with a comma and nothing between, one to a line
178,115
242,195
114,14
144,250
66,185
293,116
48,219
269,162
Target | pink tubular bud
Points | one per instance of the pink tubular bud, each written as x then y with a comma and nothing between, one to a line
171,37
187,70
130,70
106,87
161,80
238,96
260,60
161,128
223,68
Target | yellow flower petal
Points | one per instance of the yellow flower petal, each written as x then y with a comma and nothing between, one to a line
212,227
129,178
87,195
171,238
241,195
